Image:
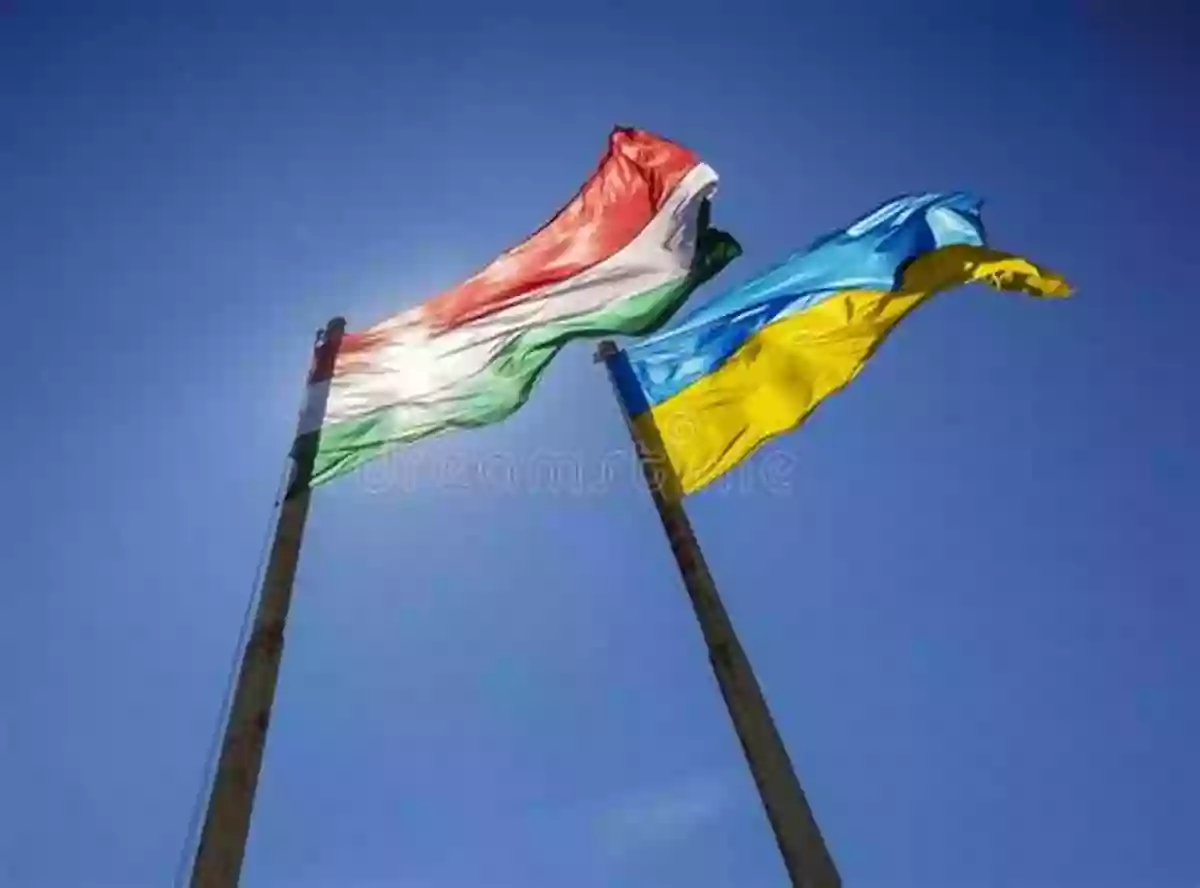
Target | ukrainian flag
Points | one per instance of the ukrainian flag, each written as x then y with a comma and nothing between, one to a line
754,362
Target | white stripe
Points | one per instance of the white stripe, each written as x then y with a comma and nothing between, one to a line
420,366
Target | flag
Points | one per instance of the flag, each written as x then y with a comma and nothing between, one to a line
754,362
621,257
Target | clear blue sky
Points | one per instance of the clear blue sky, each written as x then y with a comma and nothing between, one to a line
968,585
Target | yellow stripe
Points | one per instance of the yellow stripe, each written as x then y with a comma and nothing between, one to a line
786,369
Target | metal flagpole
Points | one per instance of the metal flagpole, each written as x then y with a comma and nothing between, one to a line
218,860
808,862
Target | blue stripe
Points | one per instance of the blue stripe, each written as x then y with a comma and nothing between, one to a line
869,255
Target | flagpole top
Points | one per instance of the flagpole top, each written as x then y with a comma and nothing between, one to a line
325,350
335,327
605,350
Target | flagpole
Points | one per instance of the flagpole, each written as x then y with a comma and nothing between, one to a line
808,862
222,846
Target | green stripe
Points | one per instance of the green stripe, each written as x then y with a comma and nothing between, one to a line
505,385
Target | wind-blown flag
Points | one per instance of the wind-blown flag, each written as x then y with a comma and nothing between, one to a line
621,257
754,362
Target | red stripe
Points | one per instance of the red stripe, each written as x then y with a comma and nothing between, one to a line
635,177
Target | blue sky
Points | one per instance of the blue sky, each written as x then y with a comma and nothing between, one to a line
967,584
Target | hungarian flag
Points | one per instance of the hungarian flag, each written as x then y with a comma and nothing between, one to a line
620,258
